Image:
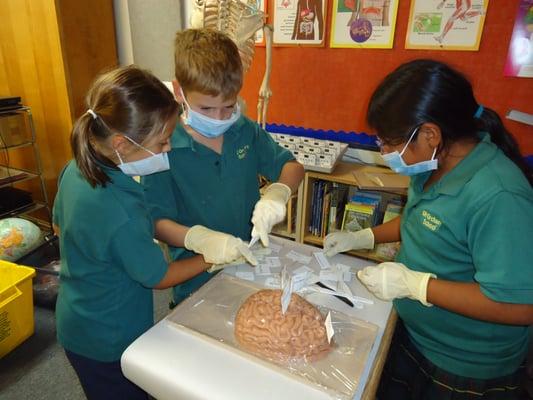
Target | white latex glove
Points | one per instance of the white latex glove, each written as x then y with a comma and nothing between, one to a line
391,280
341,241
270,210
217,247
217,267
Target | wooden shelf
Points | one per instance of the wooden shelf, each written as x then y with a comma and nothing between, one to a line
9,176
343,174
284,233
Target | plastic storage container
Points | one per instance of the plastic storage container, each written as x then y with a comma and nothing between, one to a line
16,305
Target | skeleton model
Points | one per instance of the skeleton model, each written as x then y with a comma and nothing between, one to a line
240,20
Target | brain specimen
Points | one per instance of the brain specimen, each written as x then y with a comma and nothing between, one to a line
262,329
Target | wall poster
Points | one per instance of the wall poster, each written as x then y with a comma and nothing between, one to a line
363,23
446,24
520,55
299,22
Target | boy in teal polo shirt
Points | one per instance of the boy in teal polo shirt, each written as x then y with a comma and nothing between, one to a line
216,157
462,282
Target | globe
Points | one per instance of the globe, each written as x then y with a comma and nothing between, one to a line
17,237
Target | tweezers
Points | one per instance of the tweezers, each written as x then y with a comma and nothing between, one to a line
341,298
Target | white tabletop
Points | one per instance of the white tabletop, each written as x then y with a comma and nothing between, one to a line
170,363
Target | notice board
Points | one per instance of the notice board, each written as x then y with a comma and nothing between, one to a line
329,88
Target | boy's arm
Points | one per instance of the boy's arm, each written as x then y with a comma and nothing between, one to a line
272,206
292,174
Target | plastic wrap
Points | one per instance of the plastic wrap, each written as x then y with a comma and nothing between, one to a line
333,368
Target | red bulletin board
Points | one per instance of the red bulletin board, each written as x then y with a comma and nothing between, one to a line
324,88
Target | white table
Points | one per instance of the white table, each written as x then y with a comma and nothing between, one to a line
170,363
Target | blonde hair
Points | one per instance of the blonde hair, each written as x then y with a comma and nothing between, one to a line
128,100
208,62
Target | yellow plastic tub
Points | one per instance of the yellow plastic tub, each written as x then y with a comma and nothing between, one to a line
16,305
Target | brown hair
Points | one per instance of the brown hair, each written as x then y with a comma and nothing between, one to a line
128,100
208,62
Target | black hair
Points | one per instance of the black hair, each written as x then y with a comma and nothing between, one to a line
423,91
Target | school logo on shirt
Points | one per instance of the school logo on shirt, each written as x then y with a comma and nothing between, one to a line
241,153
431,222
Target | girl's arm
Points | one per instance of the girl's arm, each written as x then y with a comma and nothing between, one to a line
467,299
387,232
170,232
182,270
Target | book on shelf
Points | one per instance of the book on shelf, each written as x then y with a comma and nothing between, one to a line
320,202
325,213
336,206
319,214
370,198
326,207
314,200
358,216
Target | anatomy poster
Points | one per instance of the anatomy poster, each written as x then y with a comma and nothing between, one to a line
446,24
299,22
259,35
363,23
520,55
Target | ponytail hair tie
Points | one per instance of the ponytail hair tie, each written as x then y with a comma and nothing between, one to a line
479,111
91,113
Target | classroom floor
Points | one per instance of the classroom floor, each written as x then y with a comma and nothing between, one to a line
38,368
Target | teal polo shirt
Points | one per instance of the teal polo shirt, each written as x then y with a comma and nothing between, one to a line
474,225
218,191
109,262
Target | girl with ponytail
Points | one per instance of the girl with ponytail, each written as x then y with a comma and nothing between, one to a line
462,283
109,261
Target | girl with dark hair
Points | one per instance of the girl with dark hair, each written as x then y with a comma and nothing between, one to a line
109,261
462,283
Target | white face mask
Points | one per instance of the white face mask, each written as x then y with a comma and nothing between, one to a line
395,161
206,126
146,166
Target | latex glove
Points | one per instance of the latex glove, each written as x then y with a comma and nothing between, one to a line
391,280
217,267
341,241
217,247
270,210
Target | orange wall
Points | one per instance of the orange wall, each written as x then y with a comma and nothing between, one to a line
323,88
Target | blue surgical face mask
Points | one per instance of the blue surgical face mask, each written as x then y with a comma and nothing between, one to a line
395,161
206,126
146,166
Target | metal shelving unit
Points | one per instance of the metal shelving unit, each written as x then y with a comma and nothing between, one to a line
17,133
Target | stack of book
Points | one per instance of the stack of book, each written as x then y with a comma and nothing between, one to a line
327,204
335,206
362,211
